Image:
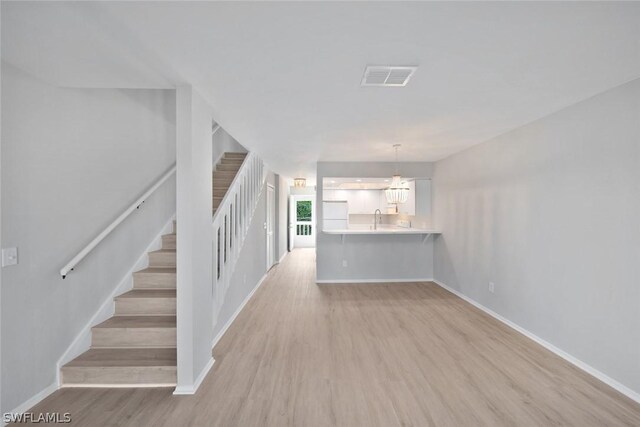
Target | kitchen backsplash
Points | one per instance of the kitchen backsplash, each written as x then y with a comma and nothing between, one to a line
416,221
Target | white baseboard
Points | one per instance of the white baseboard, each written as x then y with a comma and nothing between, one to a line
237,312
282,257
566,356
355,281
34,400
186,390
82,341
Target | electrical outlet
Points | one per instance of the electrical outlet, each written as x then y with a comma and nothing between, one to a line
492,287
344,263
9,256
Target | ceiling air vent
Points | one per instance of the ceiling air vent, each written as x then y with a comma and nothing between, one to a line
383,75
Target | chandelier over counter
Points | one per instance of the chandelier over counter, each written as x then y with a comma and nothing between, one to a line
398,192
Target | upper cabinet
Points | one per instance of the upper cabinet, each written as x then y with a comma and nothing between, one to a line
367,201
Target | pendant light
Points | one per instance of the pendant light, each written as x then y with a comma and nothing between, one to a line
398,192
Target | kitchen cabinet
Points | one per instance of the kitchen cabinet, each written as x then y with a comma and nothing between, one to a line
365,202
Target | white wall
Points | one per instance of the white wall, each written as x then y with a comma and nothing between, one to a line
72,161
249,268
550,213
309,190
223,142
251,264
379,257
194,246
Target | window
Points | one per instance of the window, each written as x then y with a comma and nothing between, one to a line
303,210
303,214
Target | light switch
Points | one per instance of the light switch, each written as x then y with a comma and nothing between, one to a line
9,256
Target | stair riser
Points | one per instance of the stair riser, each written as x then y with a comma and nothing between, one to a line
224,174
222,180
162,259
169,241
231,161
226,183
154,281
118,375
227,168
145,306
133,337
220,191
234,155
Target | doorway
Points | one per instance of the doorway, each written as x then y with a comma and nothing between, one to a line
270,226
302,227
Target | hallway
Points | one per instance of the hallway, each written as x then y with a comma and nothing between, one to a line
363,355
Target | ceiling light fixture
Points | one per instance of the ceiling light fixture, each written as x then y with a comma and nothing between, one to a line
299,182
398,191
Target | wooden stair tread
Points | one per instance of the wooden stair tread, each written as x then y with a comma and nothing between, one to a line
157,270
163,251
136,347
149,293
96,357
138,322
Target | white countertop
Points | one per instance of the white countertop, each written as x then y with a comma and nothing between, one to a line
382,229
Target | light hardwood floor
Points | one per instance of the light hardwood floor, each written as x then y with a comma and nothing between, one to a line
364,355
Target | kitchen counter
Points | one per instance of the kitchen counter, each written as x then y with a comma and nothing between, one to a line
382,229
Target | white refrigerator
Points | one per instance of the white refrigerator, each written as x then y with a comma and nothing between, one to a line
335,215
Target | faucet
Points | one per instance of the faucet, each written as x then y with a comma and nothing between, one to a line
375,218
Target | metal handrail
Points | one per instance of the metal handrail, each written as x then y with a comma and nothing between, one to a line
85,251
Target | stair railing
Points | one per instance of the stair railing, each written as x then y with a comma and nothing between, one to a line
231,222
64,271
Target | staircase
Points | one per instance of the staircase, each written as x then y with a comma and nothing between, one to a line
238,182
223,176
137,346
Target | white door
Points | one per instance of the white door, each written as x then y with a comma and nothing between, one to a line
292,222
271,213
304,222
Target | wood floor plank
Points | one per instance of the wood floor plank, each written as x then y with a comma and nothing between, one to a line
302,354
